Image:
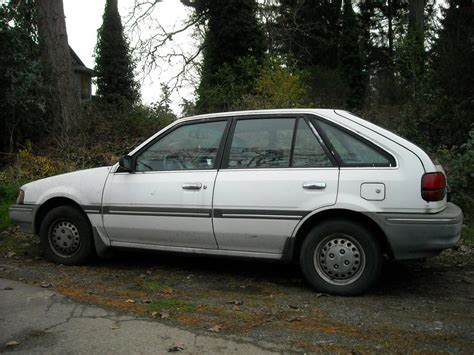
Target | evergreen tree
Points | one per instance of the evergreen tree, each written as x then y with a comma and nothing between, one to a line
453,75
310,30
22,85
351,61
234,47
114,65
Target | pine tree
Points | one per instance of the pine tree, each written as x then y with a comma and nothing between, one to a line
351,61
114,65
234,47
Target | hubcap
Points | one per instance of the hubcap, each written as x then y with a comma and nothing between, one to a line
339,259
64,239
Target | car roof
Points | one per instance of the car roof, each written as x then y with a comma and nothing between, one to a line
258,113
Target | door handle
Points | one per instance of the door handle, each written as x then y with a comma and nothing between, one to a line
314,185
192,186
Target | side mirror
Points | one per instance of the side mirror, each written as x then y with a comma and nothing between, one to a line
125,164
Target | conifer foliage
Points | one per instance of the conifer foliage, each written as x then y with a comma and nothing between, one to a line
116,83
351,61
234,46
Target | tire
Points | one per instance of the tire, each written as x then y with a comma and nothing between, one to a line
341,257
66,236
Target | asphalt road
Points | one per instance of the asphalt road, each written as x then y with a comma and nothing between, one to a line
39,320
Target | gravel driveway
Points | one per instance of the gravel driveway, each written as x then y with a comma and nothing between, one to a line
417,306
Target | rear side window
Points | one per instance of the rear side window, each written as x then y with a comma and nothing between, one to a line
308,152
261,143
354,151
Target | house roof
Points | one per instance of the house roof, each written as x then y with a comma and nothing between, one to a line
79,66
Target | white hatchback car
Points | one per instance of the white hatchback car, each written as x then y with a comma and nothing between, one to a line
321,187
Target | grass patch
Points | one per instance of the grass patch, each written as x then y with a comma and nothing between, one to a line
155,286
8,195
171,304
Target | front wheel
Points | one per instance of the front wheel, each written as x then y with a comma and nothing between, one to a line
340,257
66,236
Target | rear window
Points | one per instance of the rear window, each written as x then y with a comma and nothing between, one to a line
355,151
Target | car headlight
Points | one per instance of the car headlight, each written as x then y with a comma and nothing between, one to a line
21,197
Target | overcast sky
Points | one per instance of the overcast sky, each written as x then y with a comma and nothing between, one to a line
84,17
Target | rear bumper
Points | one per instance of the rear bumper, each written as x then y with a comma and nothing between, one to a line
415,236
24,216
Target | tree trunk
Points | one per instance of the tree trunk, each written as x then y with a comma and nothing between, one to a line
416,20
64,96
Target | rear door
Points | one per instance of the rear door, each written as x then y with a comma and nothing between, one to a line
275,171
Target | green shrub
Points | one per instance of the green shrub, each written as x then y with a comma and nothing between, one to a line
8,194
458,163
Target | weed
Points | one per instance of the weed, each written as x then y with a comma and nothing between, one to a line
171,304
468,234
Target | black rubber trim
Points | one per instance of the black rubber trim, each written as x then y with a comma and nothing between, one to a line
260,214
197,212
157,211
92,209
293,140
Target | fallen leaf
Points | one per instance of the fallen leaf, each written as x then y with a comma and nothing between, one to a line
167,290
236,308
45,285
164,315
8,288
146,301
293,306
294,319
176,348
154,314
237,303
12,343
215,329
130,301
10,254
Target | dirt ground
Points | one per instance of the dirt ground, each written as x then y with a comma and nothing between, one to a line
416,307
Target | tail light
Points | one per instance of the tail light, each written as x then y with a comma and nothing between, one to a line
433,186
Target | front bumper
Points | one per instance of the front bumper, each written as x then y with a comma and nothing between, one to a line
24,216
416,236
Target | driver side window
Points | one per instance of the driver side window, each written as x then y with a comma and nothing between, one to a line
189,147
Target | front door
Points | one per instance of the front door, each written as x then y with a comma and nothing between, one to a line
275,171
167,199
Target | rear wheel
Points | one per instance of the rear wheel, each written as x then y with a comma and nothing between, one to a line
66,236
340,257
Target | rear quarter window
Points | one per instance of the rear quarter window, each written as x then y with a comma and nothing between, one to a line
352,150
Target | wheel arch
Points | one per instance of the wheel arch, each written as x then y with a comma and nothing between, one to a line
354,216
53,203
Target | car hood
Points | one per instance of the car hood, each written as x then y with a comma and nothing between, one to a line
82,186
